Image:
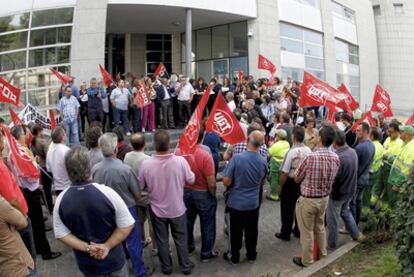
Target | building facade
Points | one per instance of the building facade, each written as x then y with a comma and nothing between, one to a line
394,20
335,40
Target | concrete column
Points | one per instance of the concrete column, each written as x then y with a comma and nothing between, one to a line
88,40
188,34
265,39
110,53
176,52
127,53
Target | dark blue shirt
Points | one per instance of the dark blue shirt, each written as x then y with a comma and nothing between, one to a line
95,102
365,151
212,140
247,170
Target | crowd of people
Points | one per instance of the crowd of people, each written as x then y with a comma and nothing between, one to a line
103,196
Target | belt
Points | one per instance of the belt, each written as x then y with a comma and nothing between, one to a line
315,197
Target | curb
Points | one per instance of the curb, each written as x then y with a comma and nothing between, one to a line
326,261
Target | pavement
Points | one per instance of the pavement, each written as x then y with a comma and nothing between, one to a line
274,256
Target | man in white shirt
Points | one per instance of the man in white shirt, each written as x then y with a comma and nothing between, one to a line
230,101
120,98
185,95
55,160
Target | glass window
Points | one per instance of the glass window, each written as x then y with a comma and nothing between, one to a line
313,50
17,79
43,77
43,97
50,36
341,51
291,45
154,45
204,70
313,3
377,10
313,37
290,31
237,64
183,47
52,17
154,56
314,63
294,73
220,69
220,43
14,22
319,74
51,55
12,61
343,12
398,8
204,44
238,39
13,41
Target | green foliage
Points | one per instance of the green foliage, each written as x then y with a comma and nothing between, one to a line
404,226
379,224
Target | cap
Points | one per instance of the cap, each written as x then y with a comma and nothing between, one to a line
281,133
407,128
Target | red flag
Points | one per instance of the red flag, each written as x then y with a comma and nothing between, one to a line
224,123
52,120
160,68
350,100
331,112
367,116
15,118
143,97
22,161
188,139
240,74
410,120
315,92
105,74
64,78
9,93
266,64
382,102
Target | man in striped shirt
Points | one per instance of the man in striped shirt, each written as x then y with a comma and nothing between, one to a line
316,173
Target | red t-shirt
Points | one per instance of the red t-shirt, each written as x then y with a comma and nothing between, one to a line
9,188
202,164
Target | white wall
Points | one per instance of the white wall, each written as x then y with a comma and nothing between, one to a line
300,14
344,29
244,7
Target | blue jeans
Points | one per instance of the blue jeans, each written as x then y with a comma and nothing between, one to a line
133,242
336,210
136,123
203,204
121,115
72,132
356,203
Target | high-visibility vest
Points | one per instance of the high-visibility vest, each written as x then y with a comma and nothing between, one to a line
392,148
278,150
402,165
379,153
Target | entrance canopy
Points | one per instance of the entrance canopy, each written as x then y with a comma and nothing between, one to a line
161,19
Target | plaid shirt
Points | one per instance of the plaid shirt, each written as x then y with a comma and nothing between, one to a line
242,146
318,171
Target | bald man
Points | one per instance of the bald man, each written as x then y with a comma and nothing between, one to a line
244,176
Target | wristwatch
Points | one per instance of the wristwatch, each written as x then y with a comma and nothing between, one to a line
88,249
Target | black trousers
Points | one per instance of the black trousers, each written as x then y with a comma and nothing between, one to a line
36,217
47,188
289,195
243,222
